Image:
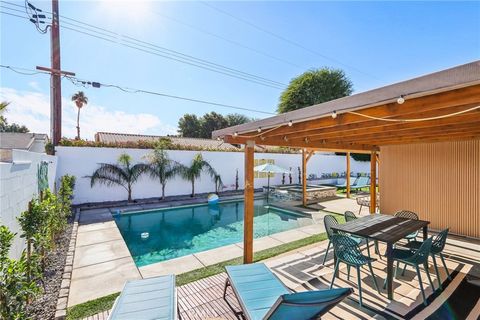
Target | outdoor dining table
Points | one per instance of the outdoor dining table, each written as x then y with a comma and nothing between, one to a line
385,228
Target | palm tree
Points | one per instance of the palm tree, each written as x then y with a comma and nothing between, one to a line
122,174
161,167
80,99
218,183
193,172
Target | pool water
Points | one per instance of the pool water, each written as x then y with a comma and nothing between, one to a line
163,234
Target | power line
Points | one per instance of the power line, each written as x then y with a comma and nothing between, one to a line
85,83
150,48
238,44
282,38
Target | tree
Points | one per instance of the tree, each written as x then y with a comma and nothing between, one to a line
122,174
193,172
80,99
314,87
235,119
193,127
189,126
210,122
161,167
4,126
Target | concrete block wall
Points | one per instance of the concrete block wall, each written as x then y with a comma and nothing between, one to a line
18,185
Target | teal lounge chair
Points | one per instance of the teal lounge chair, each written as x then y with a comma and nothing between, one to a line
263,296
360,183
153,298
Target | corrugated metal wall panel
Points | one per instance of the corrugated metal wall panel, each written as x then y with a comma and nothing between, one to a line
439,181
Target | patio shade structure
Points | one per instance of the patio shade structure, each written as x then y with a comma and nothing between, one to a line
442,107
269,168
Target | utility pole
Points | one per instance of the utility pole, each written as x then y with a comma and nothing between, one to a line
55,78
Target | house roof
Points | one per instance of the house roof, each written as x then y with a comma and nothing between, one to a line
441,106
22,141
441,81
110,137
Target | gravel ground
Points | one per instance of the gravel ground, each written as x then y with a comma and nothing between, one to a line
45,305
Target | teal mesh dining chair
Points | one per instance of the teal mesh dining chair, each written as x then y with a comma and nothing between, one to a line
350,216
414,259
329,221
438,244
406,214
348,251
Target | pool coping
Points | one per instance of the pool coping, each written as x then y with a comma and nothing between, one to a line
213,256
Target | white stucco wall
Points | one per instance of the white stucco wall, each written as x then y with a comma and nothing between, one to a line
18,185
81,162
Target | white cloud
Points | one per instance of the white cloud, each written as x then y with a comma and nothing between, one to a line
34,85
32,109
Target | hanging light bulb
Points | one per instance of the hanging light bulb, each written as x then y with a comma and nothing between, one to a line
235,134
334,114
400,100
259,129
290,123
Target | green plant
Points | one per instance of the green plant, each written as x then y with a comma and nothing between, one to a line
49,148
161,167
65,193
16,287
80,99
193,172
218,183
123,174
314,87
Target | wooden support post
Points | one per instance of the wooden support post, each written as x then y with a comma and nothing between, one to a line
373,182
348,175
249,208
304,177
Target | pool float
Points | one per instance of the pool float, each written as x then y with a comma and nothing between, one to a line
213,198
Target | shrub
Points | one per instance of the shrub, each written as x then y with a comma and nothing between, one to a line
16,287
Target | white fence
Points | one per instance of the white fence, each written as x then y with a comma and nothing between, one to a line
81,162
18,185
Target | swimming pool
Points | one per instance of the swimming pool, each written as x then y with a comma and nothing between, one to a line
163,234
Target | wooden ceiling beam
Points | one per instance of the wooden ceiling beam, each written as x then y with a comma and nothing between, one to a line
447,136
407,132
282,143
384,126
458,97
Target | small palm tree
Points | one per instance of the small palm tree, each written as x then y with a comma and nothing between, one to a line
122,174
218,183
80,99
161,167
193,172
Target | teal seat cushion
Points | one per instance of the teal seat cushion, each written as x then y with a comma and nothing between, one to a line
307,305
256,288
146,299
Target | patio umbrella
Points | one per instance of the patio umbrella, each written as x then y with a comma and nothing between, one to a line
269,168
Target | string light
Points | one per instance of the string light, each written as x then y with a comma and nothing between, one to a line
400,100
259,129
235,134
290,123
334,114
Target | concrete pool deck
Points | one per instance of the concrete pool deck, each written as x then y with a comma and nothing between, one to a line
102,261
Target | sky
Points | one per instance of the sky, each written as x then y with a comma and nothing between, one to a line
375,43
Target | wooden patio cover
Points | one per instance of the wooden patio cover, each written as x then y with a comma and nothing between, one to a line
441,106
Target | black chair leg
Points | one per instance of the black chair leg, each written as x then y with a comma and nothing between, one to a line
421,285
334,273
445,266
359,286
436,271
326,253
